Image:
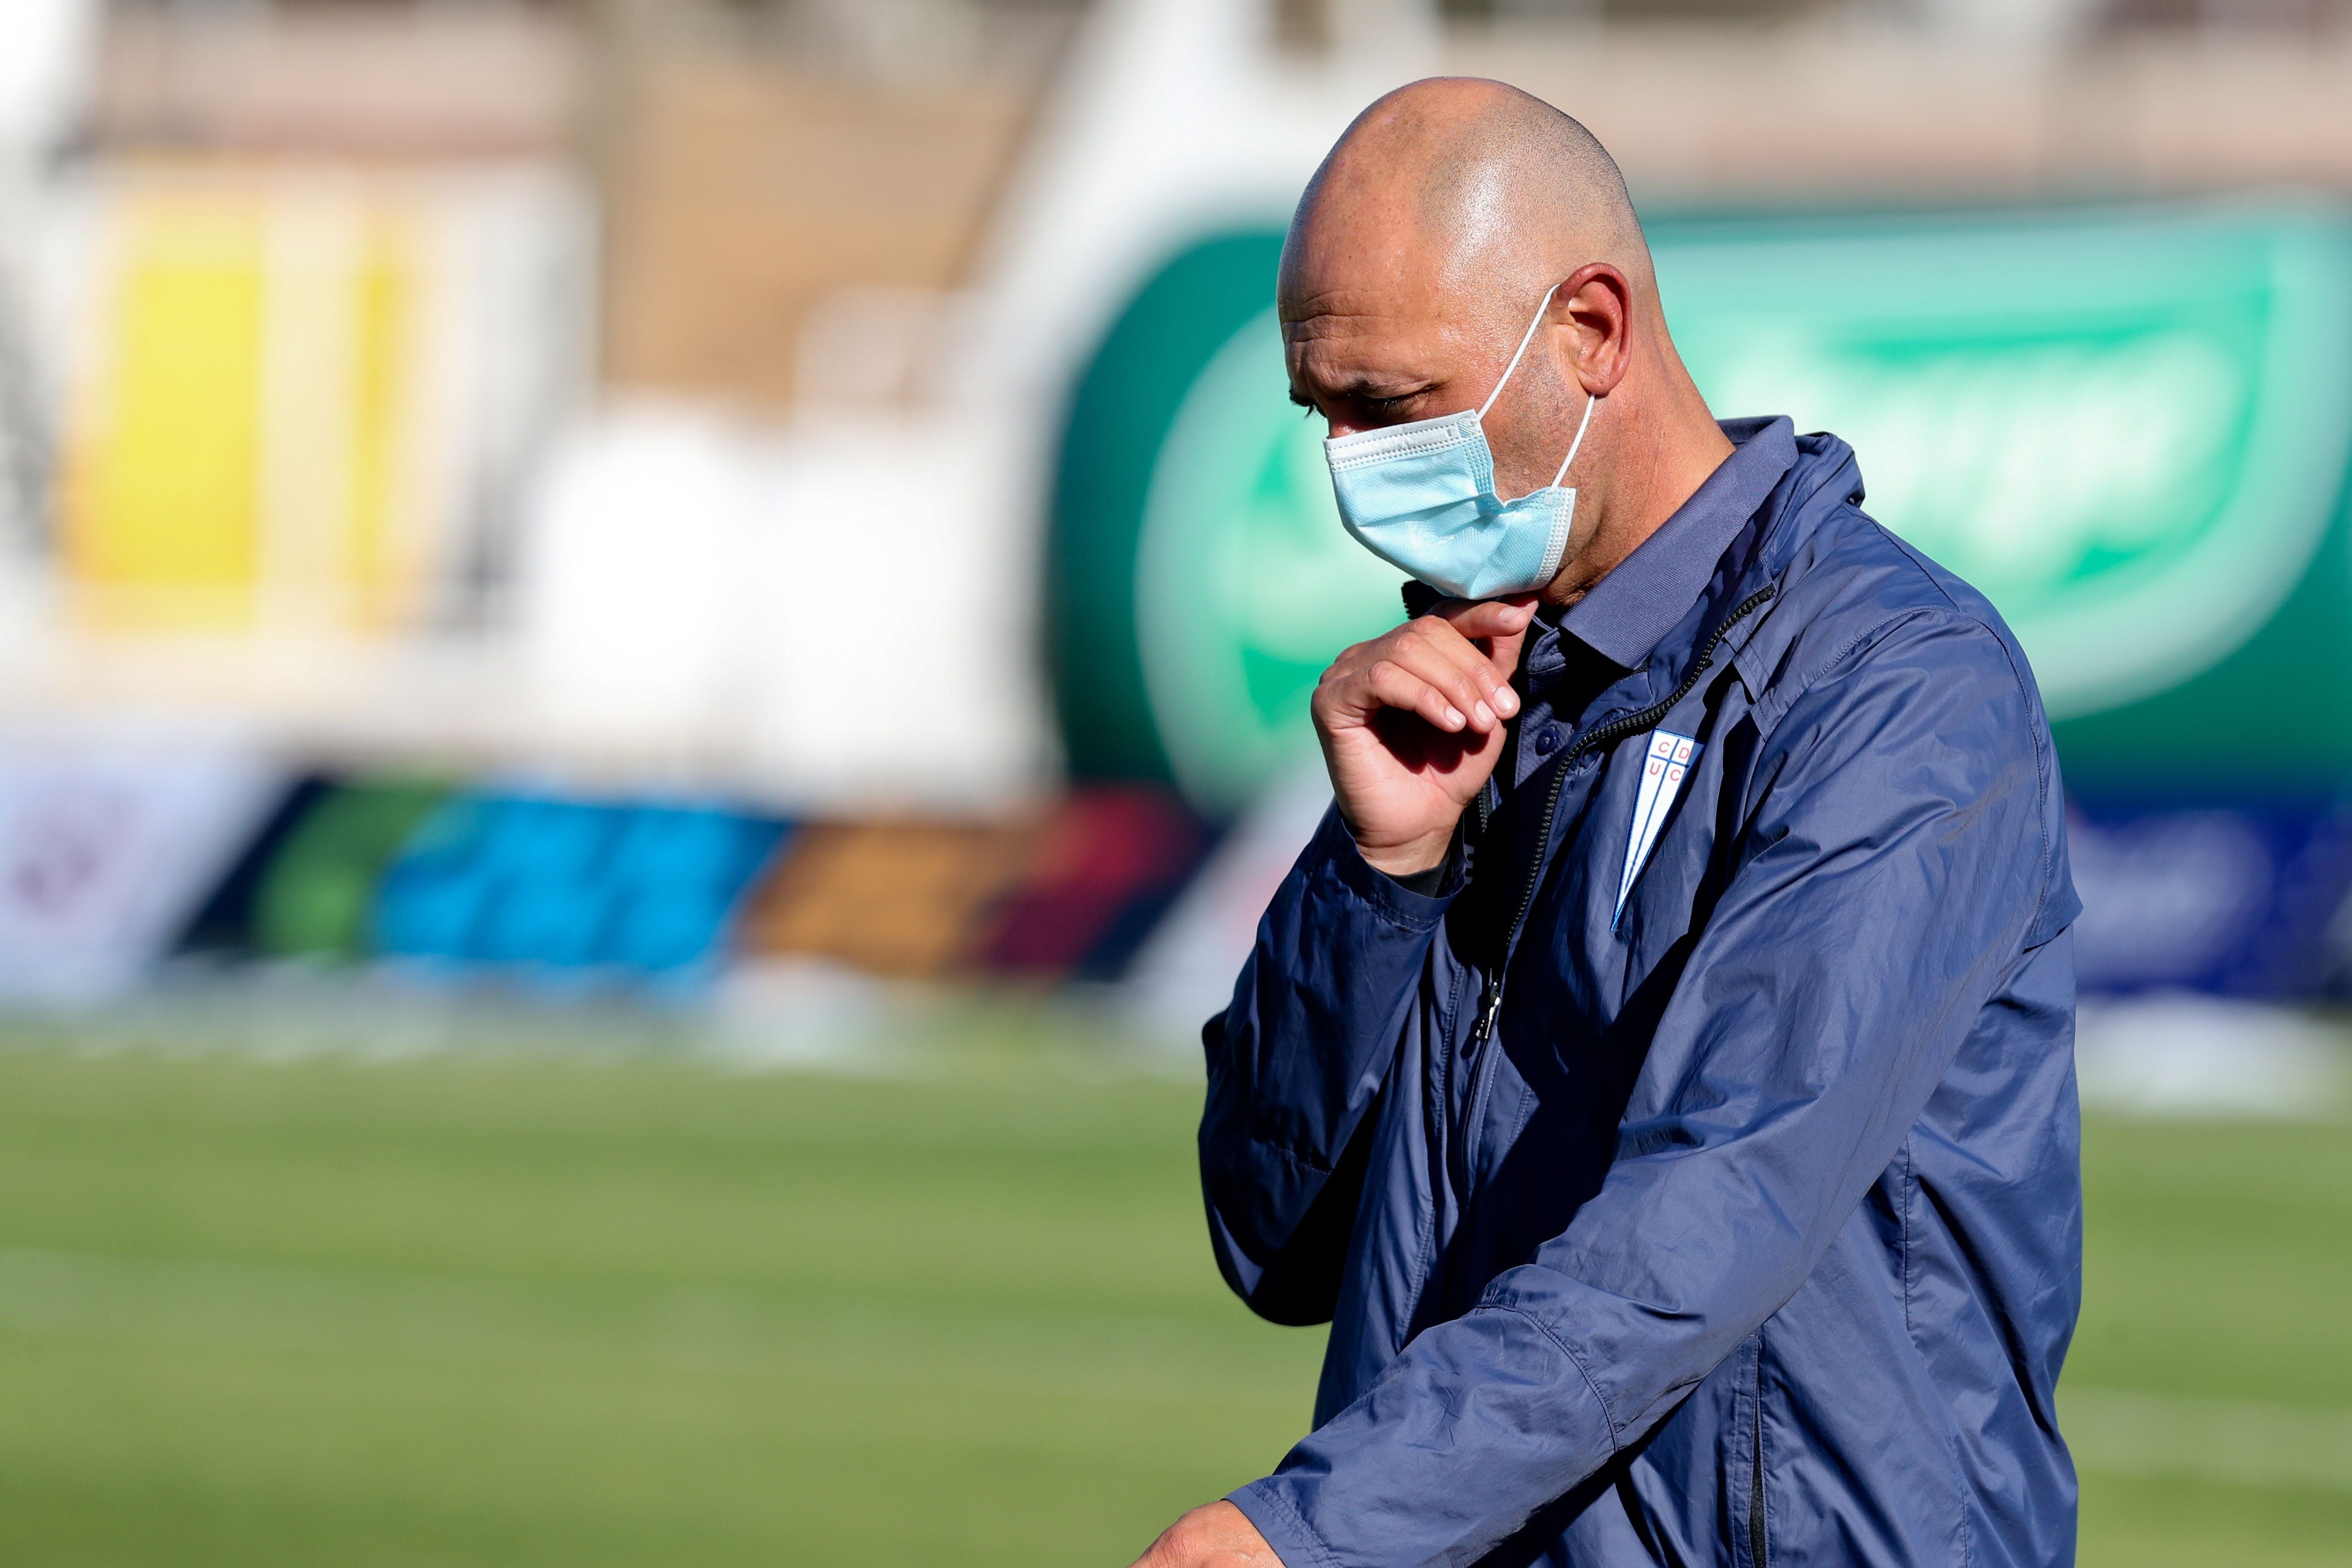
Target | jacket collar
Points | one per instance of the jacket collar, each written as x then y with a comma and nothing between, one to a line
1628,612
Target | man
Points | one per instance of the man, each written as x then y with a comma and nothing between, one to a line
1659,1067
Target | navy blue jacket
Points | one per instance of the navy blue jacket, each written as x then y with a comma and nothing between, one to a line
1749,1231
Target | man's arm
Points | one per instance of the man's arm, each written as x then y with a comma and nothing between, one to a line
1296,1067
1893,866
1411,724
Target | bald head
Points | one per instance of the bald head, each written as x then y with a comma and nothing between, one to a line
1423,248
1474,187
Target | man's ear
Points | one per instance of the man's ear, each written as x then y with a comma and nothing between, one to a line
1598,302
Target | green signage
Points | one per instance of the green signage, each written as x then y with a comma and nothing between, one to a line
1119,415
2129,429
1246,583
2129,432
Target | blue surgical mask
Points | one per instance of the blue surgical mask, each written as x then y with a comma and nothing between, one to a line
1422,498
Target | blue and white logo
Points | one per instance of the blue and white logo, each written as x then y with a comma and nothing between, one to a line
1667,764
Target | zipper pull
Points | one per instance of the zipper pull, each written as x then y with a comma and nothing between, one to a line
1490,1005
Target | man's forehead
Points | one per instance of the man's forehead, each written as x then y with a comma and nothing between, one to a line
1392,284
1344,312
1351,319
1343,276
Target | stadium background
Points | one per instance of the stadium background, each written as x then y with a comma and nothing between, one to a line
652,662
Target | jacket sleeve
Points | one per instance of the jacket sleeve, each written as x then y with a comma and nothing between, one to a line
1295,1066
1893,865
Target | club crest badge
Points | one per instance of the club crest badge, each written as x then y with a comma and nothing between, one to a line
1664,768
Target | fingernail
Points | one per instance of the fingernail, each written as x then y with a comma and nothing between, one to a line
1486,716
1506,701
1454,717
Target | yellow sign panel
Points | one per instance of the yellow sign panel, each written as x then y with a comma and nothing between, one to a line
246,447
161,480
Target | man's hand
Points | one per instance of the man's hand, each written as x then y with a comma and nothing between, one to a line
1411,726
1217,1536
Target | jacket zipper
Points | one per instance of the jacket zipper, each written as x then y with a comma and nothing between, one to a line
1490,1005
1755,1543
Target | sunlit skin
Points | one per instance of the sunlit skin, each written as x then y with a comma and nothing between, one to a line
1412,269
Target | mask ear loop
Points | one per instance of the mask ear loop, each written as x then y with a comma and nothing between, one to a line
1526,338
1591,401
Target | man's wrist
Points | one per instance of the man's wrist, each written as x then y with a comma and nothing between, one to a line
1426,879
1413,859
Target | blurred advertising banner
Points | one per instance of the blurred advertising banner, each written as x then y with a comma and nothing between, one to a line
297,395
536,886
553,890
2129,426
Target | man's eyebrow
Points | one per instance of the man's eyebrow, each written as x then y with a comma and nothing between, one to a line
1367,389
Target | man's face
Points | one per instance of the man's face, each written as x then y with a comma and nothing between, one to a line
1376,336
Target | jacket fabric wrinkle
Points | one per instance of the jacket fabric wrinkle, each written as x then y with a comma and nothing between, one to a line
1751,1233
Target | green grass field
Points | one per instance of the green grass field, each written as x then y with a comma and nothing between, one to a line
517,1312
